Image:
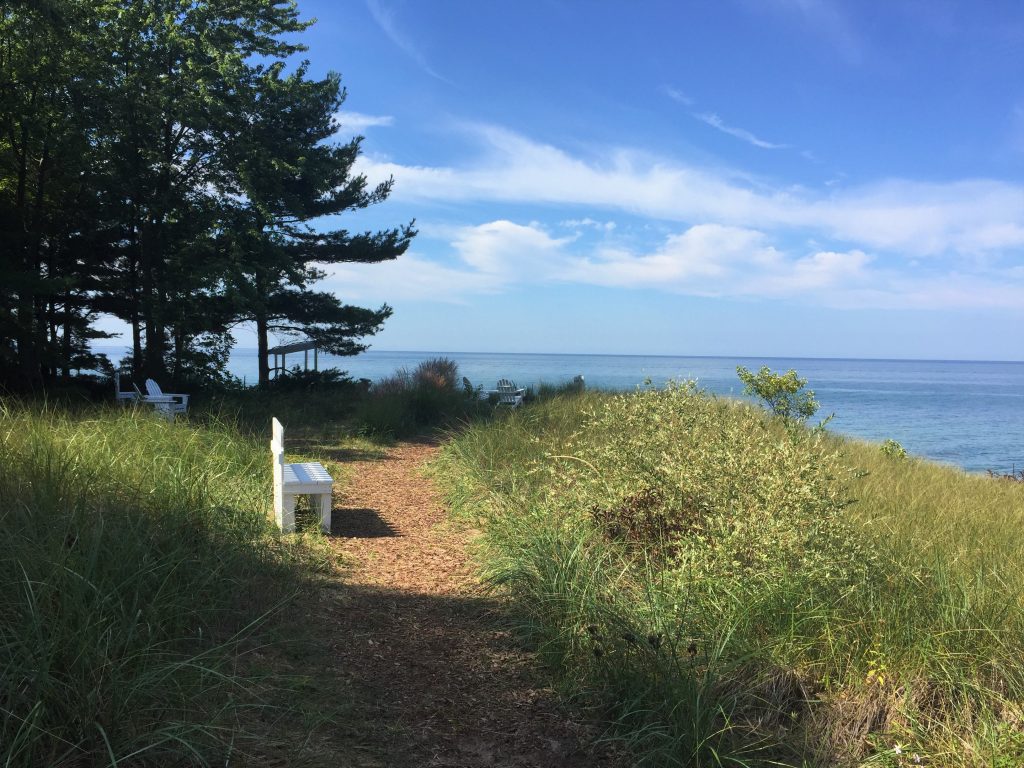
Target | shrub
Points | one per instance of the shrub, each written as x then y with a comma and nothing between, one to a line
437,373
750,503
298,379
406,403
893,449
784,393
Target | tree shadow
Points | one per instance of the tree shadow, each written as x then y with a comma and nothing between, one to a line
427,679
337,453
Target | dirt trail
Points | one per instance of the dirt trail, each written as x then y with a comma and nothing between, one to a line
434,679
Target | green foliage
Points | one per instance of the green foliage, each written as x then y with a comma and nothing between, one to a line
783,393
183,208
140,565
408,403
701,571
298,380
893,449
750,503
438,373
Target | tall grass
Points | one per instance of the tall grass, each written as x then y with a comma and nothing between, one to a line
137,562
409,403
729,591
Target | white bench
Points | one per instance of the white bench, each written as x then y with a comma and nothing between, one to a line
291,480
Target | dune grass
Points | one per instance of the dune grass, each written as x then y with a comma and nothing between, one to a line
139,569
725,590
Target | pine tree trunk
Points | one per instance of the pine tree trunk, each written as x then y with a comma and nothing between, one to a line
66,338
136,346
262,346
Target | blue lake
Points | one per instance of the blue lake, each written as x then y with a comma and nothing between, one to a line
970,414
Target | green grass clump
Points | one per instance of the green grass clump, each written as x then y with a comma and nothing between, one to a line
138,563
731,590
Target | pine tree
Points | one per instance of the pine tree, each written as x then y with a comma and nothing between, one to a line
289,174
157,164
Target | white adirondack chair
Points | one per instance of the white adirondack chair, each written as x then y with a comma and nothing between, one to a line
291,480
124,398
161,403
168,404
509,394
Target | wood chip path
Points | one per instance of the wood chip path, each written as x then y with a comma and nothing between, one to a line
434,678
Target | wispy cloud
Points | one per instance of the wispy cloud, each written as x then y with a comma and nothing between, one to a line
676,95
606,226
827,20
357,121
385,18
968,217
702,260
715,122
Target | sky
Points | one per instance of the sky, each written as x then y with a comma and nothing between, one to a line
809,178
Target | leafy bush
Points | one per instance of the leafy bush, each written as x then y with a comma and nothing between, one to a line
783,393
298,379
893,449
749,504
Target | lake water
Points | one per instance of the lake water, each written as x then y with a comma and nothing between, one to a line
966,413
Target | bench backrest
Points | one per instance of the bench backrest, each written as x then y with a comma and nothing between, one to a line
507,393
277,455
153,388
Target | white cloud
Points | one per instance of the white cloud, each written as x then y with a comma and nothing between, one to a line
715,122
693,261
410,277
702,260
912,218
605,226
357,121
509,251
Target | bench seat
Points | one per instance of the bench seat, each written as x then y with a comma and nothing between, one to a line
308,477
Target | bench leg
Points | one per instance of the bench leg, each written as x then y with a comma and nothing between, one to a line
286,515
325,512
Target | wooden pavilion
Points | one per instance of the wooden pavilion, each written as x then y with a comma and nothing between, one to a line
283,350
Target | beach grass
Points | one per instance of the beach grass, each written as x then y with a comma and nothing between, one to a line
727,590
140,571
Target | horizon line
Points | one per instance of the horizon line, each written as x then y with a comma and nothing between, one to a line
634,354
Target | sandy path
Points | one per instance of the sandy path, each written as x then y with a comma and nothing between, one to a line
420,646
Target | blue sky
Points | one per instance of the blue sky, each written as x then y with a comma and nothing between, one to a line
745,177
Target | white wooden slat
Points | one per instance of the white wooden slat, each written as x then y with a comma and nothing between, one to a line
301,479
